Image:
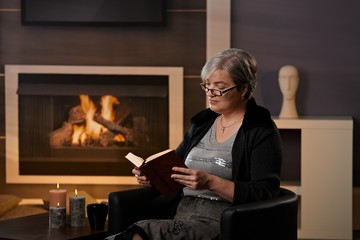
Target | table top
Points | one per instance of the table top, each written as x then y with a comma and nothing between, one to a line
37,227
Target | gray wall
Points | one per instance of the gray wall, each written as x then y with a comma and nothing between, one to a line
321,38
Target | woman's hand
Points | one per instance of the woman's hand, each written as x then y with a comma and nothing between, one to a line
196,179
192,178
141,179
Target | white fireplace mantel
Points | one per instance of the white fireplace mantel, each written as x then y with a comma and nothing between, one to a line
175,76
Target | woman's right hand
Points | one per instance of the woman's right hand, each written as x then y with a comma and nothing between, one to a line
141,179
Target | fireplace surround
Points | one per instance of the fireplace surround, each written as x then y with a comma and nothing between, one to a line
19,92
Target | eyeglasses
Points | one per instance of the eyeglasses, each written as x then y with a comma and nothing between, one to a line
216,92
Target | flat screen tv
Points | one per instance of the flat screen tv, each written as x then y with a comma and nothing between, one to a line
93,12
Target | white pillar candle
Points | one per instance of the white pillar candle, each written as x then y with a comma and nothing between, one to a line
77,210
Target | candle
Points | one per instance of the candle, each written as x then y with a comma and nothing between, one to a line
57,196
57,216
77,210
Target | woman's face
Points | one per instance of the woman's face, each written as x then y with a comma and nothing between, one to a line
230,100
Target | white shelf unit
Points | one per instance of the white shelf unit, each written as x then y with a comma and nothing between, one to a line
326,176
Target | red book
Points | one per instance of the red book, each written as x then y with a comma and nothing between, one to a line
158,169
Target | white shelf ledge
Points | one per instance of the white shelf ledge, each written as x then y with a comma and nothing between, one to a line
294,187
314,122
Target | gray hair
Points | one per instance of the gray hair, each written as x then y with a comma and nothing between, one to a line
240,65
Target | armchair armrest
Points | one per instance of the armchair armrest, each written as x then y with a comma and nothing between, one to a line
129,206
271,219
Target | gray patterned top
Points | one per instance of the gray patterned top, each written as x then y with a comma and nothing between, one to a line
213,157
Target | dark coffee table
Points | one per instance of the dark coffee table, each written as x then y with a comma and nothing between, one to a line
37,227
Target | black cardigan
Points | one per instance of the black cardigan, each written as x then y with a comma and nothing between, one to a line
256,153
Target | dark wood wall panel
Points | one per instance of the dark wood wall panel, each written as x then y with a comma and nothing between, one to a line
182,42
186,4
194,97
9,4
123,46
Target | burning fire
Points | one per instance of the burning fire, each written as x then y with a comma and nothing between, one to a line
93,130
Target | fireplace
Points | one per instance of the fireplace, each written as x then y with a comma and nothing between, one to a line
75,124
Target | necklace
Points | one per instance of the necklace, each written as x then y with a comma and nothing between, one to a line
223,127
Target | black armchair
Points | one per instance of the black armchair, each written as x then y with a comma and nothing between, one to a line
271,219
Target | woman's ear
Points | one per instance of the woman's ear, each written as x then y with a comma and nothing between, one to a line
244,90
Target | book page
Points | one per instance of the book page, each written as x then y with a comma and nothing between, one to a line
156,155
137,161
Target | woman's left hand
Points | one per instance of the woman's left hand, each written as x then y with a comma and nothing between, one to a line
192,178
196,179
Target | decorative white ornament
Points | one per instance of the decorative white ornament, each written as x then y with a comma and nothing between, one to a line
288,83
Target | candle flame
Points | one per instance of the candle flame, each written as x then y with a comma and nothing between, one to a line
58,204
75,192
57,186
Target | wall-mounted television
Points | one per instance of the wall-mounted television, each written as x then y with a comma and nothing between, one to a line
93,12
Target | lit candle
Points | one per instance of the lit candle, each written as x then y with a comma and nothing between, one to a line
77,210
57,216
57,196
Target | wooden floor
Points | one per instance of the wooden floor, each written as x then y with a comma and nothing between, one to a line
356,236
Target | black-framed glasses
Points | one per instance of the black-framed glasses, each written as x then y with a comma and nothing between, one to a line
216,92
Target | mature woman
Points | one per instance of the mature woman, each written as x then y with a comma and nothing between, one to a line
233,151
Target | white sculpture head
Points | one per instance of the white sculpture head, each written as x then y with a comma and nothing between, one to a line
288,81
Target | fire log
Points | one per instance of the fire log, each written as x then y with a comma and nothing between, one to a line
137,134
112,126
76,115
62,135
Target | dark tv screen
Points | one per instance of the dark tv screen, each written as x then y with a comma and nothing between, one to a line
93,12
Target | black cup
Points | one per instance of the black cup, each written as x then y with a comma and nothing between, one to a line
97,213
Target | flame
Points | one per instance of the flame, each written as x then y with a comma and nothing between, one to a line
119,138
57,186
92,129
75,192
107,103
78,135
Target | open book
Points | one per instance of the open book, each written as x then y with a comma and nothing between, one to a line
158,169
